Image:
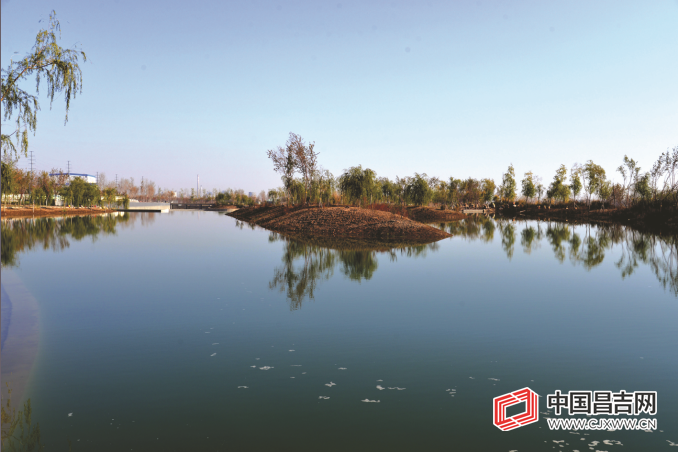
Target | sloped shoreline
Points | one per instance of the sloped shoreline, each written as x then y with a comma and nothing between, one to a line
340,222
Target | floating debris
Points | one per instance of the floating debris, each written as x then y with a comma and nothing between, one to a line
213,354
265,368
371,401
342,368
323,397
243,387
493,379
330,384
70,414
380,387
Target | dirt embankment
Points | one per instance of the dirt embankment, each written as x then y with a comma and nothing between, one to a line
28,211
427,214
340,222
646,220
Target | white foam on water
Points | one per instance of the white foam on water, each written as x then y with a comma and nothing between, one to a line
342,368
266,368
253,366
380,387
243,387
671,443
472,378
612,442
330,384
399,389
213,354
292,377
290,350
493,379
303,373
70,414
323,397
371,401
380,380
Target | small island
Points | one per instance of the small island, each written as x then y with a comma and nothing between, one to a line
340,222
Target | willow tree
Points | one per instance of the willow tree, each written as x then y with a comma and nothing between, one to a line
418,190
356,183
47,61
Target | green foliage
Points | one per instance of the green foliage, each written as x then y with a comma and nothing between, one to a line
558,189
8,185
594,176
488,189
529,188
643,187
57,67
508,184
575,184
418,190
357,183
453,189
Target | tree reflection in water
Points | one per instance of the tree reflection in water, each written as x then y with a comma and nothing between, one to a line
583,245
307,262
21,235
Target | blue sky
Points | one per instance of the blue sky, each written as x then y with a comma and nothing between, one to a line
175,89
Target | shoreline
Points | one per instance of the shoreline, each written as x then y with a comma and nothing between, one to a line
51,211
340,223
649,221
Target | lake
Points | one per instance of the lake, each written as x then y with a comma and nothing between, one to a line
193,331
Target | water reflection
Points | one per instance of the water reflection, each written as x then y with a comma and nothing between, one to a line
22,235
305,263
583,245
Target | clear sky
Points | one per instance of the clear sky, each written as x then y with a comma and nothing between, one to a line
457,88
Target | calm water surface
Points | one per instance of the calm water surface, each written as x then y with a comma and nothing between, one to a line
192,331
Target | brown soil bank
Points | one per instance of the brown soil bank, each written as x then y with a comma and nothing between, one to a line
340,222
665,221
23,212
427,214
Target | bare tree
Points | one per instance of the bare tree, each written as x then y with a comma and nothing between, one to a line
306,159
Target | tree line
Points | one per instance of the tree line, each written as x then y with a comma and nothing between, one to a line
305,181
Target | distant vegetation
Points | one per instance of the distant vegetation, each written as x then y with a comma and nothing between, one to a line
305,181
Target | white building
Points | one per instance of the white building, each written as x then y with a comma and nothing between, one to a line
86,177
